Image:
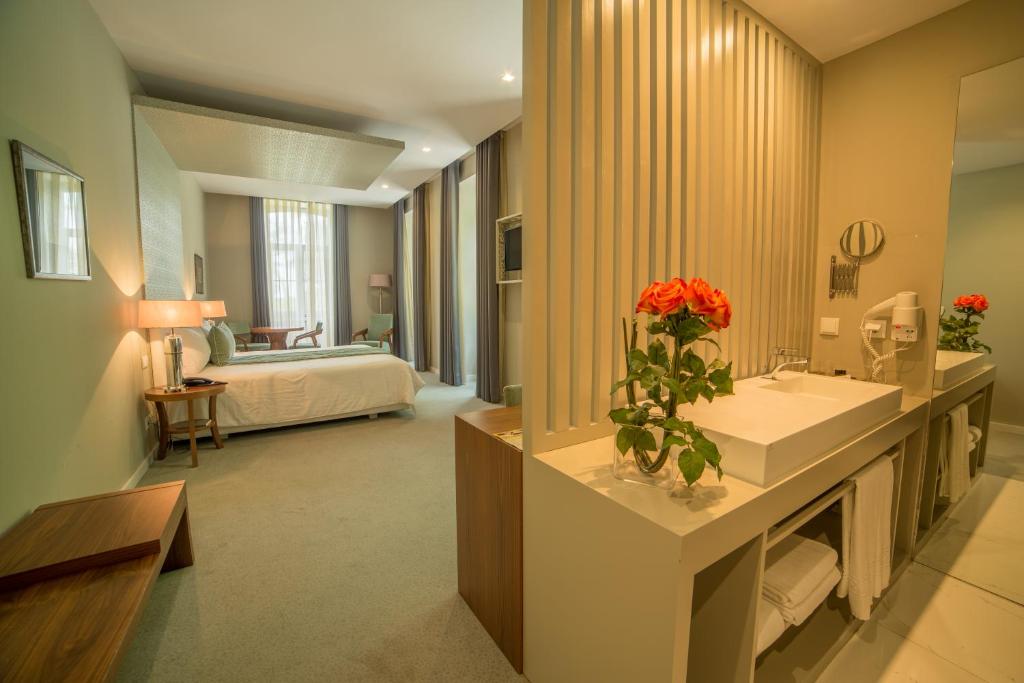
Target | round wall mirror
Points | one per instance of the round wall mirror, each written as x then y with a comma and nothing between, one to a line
862,239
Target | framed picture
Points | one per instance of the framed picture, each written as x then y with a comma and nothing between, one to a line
200,280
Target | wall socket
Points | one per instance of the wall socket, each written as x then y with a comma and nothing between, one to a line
879,333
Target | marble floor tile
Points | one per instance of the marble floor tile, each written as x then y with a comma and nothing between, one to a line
982,540
983,633
1005,455
877,654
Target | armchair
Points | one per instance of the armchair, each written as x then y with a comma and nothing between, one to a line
244,337
380,333
311,336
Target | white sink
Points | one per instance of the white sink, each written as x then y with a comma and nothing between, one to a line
954,366
769,428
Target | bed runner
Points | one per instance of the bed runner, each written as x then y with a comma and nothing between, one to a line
304,354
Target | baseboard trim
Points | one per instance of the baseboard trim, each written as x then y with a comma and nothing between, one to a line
1006,427
141,470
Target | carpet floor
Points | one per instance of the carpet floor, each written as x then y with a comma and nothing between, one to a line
323,553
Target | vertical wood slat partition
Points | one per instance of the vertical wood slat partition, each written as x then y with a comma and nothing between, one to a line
662,138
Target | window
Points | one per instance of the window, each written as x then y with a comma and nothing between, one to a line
300,261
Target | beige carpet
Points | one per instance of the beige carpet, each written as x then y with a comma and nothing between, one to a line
323,553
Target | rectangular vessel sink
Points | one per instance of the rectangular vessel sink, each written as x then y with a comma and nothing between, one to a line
769,428
953,366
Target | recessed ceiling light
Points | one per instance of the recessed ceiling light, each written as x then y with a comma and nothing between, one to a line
385,186
426,149
508,77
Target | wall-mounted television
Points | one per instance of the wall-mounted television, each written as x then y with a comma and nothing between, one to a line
509,248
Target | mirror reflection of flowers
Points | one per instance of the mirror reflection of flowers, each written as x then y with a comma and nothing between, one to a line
679,313
958,334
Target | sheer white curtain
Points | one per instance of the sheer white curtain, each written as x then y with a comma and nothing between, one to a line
58,214
300,264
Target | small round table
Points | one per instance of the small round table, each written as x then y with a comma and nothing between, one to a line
160,397
278,336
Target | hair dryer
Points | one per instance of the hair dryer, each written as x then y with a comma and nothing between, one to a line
906,319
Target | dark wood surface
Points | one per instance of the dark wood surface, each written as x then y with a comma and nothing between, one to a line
277,336
77,627
62,538
489,512
159,396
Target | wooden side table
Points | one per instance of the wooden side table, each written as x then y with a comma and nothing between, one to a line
277,336
160,397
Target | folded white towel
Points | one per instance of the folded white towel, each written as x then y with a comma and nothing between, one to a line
867,522
798,613
794,567
956,475
975,433
770,624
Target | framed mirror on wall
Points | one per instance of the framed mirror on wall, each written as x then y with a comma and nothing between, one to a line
982,304
51,205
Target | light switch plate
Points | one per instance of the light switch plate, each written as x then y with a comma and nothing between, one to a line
829,327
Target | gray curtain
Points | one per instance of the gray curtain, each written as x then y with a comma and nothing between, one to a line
419,278
488,195
342,293
451,322
258,260
400,324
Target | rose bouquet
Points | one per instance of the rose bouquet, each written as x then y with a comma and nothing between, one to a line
670,374
957,334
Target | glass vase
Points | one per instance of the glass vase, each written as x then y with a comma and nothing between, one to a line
626,467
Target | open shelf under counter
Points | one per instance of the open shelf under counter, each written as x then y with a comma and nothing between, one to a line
622,580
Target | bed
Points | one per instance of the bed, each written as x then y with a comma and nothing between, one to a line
261,395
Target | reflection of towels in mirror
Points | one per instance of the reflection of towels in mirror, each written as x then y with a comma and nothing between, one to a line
956,472
866,540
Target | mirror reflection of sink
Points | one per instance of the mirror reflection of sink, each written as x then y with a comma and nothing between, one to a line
769,428
954,366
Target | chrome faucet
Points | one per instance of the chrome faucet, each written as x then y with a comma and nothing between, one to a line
784,352
778,368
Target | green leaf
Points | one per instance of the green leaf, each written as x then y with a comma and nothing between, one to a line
674,424
673,440
656,326
622,416
637,360
649,377
645,441
707,449
654,393
709,340
693,363
672,385
618,385
691,464
625,439
692,389
657,354
690,330
724,389
708,392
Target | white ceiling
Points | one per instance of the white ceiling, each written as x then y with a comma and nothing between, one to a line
425,73
990,119
831,28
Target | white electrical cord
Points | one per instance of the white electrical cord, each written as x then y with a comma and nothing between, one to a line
878,359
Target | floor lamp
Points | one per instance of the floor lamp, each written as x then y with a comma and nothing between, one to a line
381,281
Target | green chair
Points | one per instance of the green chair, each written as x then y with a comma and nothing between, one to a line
380,333
300,342
244,337
512,395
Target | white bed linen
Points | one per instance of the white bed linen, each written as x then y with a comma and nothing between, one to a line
291,392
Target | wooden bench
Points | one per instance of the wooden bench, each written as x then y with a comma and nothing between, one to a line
75,577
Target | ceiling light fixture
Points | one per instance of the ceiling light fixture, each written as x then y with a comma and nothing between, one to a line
426,149
508,77
385,186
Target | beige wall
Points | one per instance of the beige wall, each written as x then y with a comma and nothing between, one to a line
228,270
72,417
888,121
371,250
512,295
193,233
986,241
228,265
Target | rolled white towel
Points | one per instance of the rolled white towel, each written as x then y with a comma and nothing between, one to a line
794,567
770,624
798,613
975,433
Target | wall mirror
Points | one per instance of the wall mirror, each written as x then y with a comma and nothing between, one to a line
982,306
861,239
51,203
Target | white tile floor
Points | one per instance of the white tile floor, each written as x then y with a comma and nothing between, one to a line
957,613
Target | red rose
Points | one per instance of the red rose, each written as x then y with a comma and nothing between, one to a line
978,302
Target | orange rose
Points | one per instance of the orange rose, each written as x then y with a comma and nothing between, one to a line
662,298
976,301
712,304
646,302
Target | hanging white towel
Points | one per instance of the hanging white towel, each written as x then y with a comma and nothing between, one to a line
956,475
794,567
798,613
770,624
866,536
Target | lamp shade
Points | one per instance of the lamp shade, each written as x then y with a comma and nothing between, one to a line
213,309
380,280
169,314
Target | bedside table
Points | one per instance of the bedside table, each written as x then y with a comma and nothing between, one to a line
161,397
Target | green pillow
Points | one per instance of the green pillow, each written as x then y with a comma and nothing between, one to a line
222,344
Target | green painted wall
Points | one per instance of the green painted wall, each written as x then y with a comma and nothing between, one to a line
71,412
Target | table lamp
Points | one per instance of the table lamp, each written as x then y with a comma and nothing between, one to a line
161,314
381,281
213,309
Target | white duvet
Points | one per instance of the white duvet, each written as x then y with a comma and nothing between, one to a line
269,394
